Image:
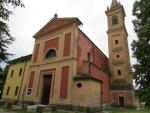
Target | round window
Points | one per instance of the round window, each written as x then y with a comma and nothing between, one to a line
79,85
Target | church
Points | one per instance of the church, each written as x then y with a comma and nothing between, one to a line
68,70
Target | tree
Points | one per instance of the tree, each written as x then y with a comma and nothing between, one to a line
3,75
5,36
141,49
1,81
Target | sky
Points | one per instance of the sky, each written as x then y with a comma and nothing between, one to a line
25,22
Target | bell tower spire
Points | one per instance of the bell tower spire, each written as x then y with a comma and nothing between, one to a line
114,3
121,86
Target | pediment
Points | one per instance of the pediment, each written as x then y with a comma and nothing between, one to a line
56,23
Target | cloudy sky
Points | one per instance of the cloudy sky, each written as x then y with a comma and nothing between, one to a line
25,22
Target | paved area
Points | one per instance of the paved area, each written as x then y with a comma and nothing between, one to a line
2,111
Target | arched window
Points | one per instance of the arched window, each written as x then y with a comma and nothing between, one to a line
89,57
50,54
114,20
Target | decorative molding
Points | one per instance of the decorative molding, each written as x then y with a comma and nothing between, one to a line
116,62
120,81
121,87
117,49
116,35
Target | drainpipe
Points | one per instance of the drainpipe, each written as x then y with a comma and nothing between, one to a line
22,81
101,95
93,54
89,68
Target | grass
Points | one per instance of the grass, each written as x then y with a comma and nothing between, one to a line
126,110
109,110
15,111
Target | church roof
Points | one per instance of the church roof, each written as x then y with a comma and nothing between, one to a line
56,23
83,76
21,59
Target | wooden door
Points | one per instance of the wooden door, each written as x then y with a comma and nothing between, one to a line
121,101
46,89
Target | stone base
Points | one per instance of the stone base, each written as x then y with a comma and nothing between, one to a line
68,107
123,98
125,106
106,105
77,108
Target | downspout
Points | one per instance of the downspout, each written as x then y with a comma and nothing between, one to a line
101,95
22,81
93,54
89,68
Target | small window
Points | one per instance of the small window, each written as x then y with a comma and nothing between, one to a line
114,20
116,42
8,88
29,92
50,54
119,72
79,85
16,91
12,72
117,56
89,57
20,72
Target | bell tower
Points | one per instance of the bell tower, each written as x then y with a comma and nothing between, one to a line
119,62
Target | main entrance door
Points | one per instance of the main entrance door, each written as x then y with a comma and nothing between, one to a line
121,101
46,89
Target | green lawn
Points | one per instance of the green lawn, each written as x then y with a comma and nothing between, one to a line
126,110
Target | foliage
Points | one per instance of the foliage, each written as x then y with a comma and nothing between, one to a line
3,77
141,48
144,95
5,72
5,36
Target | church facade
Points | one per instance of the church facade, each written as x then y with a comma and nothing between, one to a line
68,70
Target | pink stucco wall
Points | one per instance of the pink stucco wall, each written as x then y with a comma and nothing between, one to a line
97,58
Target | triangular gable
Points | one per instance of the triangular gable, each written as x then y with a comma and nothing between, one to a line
55,23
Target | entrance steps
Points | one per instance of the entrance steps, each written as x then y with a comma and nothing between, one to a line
33,108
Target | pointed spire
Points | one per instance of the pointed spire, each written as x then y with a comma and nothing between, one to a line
107,8
114,3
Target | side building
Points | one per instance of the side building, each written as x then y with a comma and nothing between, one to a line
16,79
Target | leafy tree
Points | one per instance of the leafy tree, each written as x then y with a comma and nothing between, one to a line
141,49
5,72
3,75
5,37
